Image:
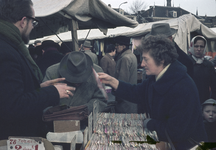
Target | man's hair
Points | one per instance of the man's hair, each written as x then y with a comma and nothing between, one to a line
110,48
14,10
160,48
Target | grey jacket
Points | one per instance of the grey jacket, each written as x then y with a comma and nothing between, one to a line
126,70
85,94
93,56
126,67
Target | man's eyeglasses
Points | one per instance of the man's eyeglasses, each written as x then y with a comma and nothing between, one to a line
34,21
197,46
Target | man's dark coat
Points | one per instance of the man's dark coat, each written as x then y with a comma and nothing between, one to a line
21,98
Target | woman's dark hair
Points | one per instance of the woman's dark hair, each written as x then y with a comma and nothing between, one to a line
199,38
160,48
14,10
110,48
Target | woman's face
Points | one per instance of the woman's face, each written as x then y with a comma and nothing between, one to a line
199,47
209,113
150,66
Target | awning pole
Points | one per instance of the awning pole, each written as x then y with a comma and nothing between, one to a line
74,27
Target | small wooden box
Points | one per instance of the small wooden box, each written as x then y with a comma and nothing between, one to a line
66,125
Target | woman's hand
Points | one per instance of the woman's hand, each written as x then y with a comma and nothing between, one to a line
106,79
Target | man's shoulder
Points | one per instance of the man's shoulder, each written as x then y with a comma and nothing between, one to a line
105,58
97,68
53,67
128,55
7,49
5,43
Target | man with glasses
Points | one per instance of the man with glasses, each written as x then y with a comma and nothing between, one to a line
22,95
126,70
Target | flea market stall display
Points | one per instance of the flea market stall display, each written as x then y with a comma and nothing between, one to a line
57,16
118,131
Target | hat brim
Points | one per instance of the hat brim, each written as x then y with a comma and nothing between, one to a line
74,78
173,31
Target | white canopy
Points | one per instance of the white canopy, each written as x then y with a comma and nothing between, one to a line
88,13
185,25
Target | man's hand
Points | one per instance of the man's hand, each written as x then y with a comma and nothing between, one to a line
64,90
51,82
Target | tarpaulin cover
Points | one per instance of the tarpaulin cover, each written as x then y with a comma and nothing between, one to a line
184,24
89,11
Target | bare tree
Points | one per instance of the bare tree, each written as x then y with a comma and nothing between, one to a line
137,5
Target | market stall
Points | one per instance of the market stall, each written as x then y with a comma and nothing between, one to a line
56,16
187,25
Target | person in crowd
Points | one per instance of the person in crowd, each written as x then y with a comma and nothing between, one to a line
86,47
37,43
76,68
66,48
22,95
126,70
204,73
50,55
164,28
169,96
214,61
209,115
35,53
108,63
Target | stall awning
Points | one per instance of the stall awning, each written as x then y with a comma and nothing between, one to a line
88,13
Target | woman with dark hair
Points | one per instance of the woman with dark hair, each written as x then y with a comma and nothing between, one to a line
204,72
168,95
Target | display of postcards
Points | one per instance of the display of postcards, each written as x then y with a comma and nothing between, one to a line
121,131
106,142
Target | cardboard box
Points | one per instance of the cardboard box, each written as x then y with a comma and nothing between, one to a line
66,125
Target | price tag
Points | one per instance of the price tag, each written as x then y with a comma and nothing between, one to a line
24,144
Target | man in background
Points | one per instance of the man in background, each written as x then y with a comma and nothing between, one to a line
77,69
108,63
50,55
86,47
126,70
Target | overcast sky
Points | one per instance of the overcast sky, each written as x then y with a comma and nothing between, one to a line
205,7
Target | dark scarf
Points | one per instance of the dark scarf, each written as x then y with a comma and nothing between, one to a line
12,33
